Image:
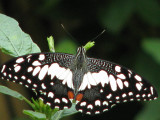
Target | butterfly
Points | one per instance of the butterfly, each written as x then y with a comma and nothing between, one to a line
96,85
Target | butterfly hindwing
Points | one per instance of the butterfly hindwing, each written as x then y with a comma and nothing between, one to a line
108,84
47,73
96,85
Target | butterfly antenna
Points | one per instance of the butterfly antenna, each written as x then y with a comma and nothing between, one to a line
66,31
98,35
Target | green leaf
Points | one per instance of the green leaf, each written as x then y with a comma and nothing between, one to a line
116,15
63,113
152,47
13,40
149,11
10,92
35,115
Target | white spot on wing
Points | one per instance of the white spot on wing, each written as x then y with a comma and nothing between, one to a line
36,70
90,106
97,112
124,95
138,78
34,85
41,57
138,86
109,96
89,113
23,77
130,93
5,74
121,76
64,74
103,77
117,97
80,110
3,68
105,103
101,91
144,95
83,104
36,63
48,103
52,83
113,83
53,70
91,79
69,80
17,68
43,72
151,88
43,86
126,83
96,77
56,100
65,107
15,77
29,81
64,100
117,68
97,103
120,83
20,60
29,69
10,75
60,71
84,83
51,94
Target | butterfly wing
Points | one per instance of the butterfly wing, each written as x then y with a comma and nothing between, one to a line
47,73
106,84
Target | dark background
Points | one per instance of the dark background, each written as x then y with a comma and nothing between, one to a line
129,24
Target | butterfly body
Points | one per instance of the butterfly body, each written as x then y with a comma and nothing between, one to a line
96,85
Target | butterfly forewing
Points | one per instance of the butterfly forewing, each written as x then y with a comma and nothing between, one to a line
107,84
96,85
43,73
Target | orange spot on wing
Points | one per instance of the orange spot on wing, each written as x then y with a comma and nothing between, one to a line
79,97
70,95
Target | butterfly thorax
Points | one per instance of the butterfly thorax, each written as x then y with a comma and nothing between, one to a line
79,68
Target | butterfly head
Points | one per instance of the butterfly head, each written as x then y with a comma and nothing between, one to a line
81,55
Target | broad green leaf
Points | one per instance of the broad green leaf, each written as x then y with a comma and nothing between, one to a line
66,112
149,11
10,92
116,15
13,40
35,115
152,47
66,46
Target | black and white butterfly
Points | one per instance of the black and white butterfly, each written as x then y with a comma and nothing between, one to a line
96,85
